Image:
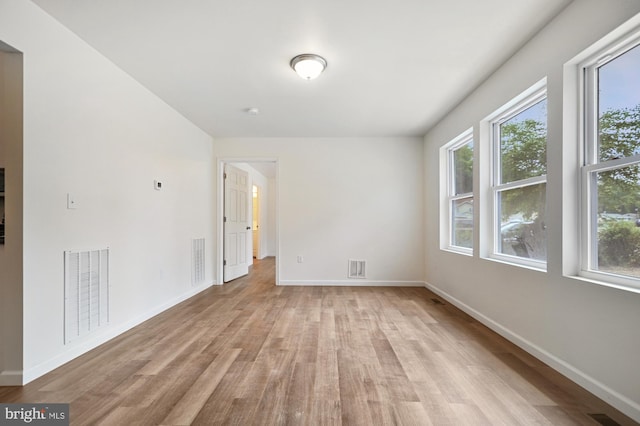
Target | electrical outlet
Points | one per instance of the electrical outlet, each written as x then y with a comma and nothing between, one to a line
300,259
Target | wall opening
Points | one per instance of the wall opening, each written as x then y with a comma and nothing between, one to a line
11,259
267,169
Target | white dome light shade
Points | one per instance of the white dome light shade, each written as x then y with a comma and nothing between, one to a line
308,66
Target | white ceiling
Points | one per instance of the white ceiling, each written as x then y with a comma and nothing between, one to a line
395,67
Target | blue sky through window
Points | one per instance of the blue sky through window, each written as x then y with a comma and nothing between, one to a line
537,112
619,82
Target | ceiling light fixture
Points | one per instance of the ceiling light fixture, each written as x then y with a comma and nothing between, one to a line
308,65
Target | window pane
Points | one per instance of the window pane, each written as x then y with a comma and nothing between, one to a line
463,166
523,144
618,238
462,223
619,106
523,230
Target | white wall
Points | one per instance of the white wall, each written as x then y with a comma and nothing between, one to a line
587,331
344,198
91,130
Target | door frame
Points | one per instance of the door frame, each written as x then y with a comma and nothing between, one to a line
219,220
256,229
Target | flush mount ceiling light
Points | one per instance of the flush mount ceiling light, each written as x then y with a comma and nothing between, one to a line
308,65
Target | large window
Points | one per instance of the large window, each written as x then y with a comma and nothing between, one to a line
458,157
611,168
518,133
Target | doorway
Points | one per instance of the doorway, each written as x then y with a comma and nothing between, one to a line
262,215
12,288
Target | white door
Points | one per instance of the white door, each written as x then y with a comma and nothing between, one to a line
237,229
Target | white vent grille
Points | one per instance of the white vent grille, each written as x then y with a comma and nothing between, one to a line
197,260
357,268
86,292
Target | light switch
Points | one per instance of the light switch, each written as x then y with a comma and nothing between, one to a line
71,202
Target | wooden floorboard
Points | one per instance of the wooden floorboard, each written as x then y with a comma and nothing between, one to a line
251,353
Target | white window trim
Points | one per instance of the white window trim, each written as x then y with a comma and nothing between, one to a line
589,164
526,99
448,195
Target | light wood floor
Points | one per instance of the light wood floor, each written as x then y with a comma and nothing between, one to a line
251,353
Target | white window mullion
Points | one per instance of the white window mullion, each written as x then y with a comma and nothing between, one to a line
590,116
461,196
618,163
536,180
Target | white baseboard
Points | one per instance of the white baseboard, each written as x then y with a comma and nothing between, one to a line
625,405
104,336
351,283
11,378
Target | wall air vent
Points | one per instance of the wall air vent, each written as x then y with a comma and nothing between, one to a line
86,292
197,261
357,269
604,420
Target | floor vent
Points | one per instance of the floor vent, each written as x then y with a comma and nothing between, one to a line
604,420
437,301
86,292
197,261
357,268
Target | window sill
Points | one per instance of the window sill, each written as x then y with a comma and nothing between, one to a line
541,267
456,250
600,282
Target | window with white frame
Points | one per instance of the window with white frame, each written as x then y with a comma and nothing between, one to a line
458,155
518,133
610,175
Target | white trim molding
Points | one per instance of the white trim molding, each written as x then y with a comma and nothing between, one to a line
352,283
11,378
